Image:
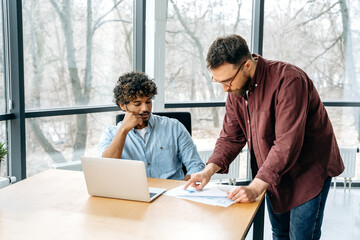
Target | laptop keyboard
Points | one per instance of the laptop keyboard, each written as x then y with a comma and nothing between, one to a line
152,194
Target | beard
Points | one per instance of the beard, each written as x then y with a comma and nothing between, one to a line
241,91
145,117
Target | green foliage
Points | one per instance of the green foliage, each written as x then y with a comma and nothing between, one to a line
3,150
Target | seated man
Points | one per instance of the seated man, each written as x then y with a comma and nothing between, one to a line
162,143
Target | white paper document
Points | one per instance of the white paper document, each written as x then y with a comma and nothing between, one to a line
212,194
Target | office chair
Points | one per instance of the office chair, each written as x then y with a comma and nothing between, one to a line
183,117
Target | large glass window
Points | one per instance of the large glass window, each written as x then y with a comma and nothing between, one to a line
2,78
56,140
3,135
74,51
321,37
191,27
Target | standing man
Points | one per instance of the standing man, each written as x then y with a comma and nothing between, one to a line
162,143
273,107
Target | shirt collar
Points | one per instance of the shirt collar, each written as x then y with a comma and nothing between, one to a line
254,81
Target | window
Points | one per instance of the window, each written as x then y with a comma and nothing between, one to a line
322,38
191,27
54,140
2,78
74,52
3,135
64,44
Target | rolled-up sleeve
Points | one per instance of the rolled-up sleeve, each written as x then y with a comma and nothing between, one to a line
230,142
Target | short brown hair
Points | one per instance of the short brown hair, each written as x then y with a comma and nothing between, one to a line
232,49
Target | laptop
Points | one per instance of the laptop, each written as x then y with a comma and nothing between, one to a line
118,178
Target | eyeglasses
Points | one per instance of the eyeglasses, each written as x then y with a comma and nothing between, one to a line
228,82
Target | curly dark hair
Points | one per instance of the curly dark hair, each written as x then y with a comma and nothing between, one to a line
232,49
132,85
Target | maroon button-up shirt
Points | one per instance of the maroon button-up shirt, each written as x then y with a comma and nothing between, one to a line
288,133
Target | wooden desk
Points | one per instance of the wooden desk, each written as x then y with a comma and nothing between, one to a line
55,205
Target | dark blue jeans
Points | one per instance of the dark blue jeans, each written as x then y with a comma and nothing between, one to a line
302,222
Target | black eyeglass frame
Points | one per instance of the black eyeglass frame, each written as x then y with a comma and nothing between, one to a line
228,82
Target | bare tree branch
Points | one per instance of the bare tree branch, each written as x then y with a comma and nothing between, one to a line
202,60
46,145
107,21
57,8
318,15
174,32
301,9
128,33
98,21
239,4
321,54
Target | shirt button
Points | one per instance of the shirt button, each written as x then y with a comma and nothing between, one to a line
249,139
161,147
248,121
255,84
148,164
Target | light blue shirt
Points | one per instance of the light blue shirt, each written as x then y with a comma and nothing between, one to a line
166,147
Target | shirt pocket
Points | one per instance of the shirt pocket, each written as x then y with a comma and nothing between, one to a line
266,132
266,124
165,157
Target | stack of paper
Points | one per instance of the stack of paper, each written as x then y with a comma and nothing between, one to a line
212,194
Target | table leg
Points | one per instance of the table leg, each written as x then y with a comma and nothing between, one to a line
258,223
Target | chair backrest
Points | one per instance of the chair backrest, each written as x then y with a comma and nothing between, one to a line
183,117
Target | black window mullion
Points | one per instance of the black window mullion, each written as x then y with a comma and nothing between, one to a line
257,29
139,35
14,75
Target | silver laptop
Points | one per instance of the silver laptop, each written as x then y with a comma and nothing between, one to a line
118,178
